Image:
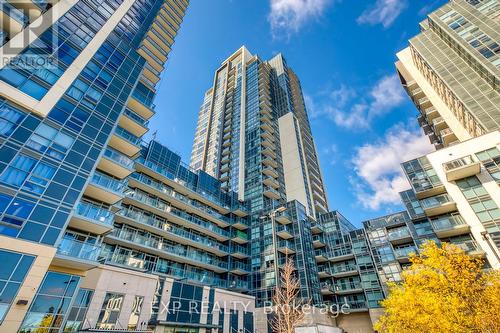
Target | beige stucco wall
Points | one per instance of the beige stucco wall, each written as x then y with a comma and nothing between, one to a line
44,255
355,322
106,278
292,168
470,147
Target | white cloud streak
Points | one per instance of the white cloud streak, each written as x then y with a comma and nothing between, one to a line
378,175
288,16
383,12
384,96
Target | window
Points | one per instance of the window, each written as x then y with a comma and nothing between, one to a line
110,311
491,161
19,169
47,138
78,310
51,302
15,267
136,312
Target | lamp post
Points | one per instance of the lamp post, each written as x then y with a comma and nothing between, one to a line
272,216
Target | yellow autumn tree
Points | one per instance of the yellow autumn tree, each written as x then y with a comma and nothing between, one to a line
444,290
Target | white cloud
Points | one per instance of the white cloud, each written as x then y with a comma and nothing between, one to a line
288,16
383,12
379,177
384,96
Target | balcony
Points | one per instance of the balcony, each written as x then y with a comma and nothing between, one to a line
239,209
239,236
286,247
341,254
269,152
270,171
284,231
125,142
438,205
424,103
340,271
318,241
271,182
270,162
316,228
76,255
178,253
266,135
241,223
447,137
240,252
424,187
199,239
133,123
327,288
439,124
320,255
348,288
449,226
116,163
399,235
105,188
239,268
324,271
470,247
402,254
12,19
283,218
356,306
461,168
175,215
271,193
431,113
140,108
92,218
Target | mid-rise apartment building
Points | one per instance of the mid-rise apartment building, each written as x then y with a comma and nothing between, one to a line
97,231
451,71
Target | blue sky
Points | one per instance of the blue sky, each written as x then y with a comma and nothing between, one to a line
343,52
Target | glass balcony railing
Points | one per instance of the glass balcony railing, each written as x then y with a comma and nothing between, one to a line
239,234
127,136
158,204
170,192
355,305
447,222
404,252
318,238
286,244
436,201
348,286
236,248
458,163
239,266
77,249
399,233
164,226
93,212
324,268
170,175
327,286
135,117
164,268
342,251
182,251
337,269
285,228
108,182
468,246
119,158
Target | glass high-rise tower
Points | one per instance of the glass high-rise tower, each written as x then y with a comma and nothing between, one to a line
253,133
451,71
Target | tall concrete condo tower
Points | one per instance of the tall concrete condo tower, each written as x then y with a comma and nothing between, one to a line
451,71
253,134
